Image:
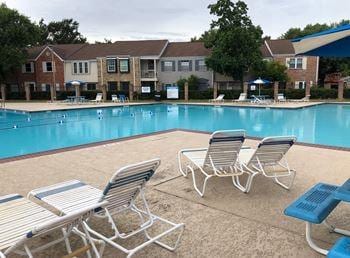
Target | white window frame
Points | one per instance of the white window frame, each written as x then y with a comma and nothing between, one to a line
81,64
296,59
120,65
203,67
113,70
167,67
45,66
297,85
185,68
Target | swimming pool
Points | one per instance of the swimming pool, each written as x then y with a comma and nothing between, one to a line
26,133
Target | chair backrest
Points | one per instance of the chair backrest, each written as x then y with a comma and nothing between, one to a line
224,147
126,183
220,97
271,150
242,96
122,97
114,97
99,96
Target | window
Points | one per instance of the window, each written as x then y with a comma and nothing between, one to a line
295,63
124,65
91,86
45,87
47,67
168,66
28,68
112,86
58,87
80,67
200,66
300,85
111,65
124,86
185,65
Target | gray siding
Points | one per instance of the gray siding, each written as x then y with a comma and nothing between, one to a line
171,77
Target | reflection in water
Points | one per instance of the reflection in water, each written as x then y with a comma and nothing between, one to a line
39,131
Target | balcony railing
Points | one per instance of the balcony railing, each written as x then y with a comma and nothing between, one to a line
148,74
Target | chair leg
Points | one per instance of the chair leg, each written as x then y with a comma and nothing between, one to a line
336,230
245,189
184,173
201,193
311,242
286,186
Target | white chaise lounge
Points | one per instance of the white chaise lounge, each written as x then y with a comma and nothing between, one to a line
219,159
121,192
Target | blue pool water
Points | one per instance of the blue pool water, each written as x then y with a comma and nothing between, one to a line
25,133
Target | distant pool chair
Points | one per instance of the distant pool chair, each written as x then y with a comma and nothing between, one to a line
305,99
219,159
123,98
115,98
220,98
269,160
281,97
98,99
242,98
121,192
22,221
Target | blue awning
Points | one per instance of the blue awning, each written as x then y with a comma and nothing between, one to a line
329,43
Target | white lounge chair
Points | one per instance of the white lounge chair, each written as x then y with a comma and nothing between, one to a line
121,192
269,159
242,98
220,98
98,99
22,221
281,97
115,98
219,159
305,99
257,100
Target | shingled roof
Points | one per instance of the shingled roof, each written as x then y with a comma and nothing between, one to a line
281,47
120,48
175,49
62,50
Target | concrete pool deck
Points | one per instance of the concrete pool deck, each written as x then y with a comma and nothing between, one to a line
32,106
225,223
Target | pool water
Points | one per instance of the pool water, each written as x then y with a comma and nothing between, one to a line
26,133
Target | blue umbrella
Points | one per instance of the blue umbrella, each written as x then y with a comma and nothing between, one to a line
259,82
329,43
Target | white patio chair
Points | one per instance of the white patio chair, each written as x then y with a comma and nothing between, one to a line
242,98
22,221
220,98
98,99
115,98
281,97
121,192
269,159
219,159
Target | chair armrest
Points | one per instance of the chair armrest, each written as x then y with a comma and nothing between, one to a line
193,149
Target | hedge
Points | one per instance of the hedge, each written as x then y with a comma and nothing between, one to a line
316,93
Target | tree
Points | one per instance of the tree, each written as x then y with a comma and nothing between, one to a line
192,80
272,71
61,32
307,30
105,41
17,33
235,41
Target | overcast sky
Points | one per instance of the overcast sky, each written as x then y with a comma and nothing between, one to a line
176,20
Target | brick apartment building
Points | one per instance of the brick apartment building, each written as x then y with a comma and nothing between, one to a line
131,65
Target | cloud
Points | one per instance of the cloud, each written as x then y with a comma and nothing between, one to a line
174,19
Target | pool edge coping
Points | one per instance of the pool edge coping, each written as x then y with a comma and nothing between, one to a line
96,144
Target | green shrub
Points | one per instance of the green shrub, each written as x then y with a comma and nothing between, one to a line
293,93
322,93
